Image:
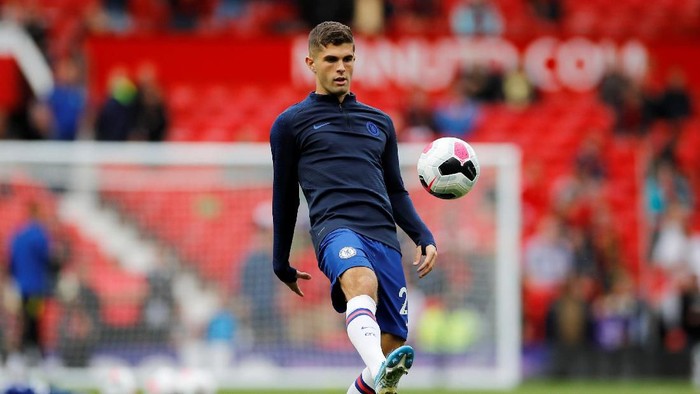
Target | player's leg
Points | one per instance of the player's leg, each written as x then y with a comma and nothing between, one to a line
399,359
364,384
392,315
359,284
344,260
391,342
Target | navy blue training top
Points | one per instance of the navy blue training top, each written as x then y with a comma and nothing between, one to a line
345,157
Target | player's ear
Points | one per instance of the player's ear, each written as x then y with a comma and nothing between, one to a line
310,64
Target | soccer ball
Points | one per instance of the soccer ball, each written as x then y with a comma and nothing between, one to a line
448,168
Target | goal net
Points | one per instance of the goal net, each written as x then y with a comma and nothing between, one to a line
161,274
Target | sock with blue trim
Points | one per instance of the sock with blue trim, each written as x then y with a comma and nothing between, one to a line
364,332
363,384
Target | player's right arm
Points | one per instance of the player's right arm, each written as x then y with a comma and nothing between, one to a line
285,200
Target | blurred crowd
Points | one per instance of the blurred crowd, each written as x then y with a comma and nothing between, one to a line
135,107
584,300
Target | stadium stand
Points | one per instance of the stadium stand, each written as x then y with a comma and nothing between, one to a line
551,130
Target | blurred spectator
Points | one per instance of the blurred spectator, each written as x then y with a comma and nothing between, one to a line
369,17
258,288
589,160
622,325
518,91
117,115
229,13
606,246
574,197
550,11
30,267
197,302
436,333
418,118
222,333
79,325
548,257
637,112
158,314
4,125
675,104
190,14
665,185
414,16
118,13
633,109
482,83
223,325
671,241
548,260
151,114
67,101
476,18
690,309
41,123
630,115
612,87
569,329
313,12
456,114
10,322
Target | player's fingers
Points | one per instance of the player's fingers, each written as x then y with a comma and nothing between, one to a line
428,263
303,275
416,259
295,288
425,268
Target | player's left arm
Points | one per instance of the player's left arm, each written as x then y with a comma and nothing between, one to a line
404,211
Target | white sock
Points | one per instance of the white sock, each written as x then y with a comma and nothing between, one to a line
364,384
364,332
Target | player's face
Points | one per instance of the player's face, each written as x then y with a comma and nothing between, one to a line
333,66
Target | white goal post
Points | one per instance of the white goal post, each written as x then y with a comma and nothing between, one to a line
467,323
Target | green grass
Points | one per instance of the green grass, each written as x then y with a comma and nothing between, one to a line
544,387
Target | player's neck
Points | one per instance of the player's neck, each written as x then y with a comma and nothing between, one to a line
340,98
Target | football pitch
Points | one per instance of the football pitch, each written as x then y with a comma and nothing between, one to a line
544,387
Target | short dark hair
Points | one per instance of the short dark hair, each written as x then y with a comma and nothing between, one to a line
326,33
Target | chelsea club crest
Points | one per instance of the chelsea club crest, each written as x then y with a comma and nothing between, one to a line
347,252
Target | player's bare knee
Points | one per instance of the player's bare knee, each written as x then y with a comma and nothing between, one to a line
359,281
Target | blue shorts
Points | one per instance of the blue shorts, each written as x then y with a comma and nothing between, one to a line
342,249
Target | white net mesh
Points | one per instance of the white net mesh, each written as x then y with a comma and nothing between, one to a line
163,270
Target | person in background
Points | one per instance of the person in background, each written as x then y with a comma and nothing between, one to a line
117,115
456,115
67,101
476,18
30,267
79,326
151,114
257,287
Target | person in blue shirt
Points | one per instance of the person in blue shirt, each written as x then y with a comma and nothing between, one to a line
67,101
344,155
30,267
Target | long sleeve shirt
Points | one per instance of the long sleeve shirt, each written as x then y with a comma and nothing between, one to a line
345,158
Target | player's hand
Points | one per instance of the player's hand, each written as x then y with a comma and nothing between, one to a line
295,285
428,261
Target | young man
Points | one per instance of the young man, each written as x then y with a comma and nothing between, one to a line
344,154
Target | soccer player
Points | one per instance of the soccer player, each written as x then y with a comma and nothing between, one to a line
344,154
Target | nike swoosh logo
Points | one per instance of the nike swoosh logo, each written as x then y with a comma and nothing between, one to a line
318,126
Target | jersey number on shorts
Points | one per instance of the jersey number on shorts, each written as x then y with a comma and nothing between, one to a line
404,307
